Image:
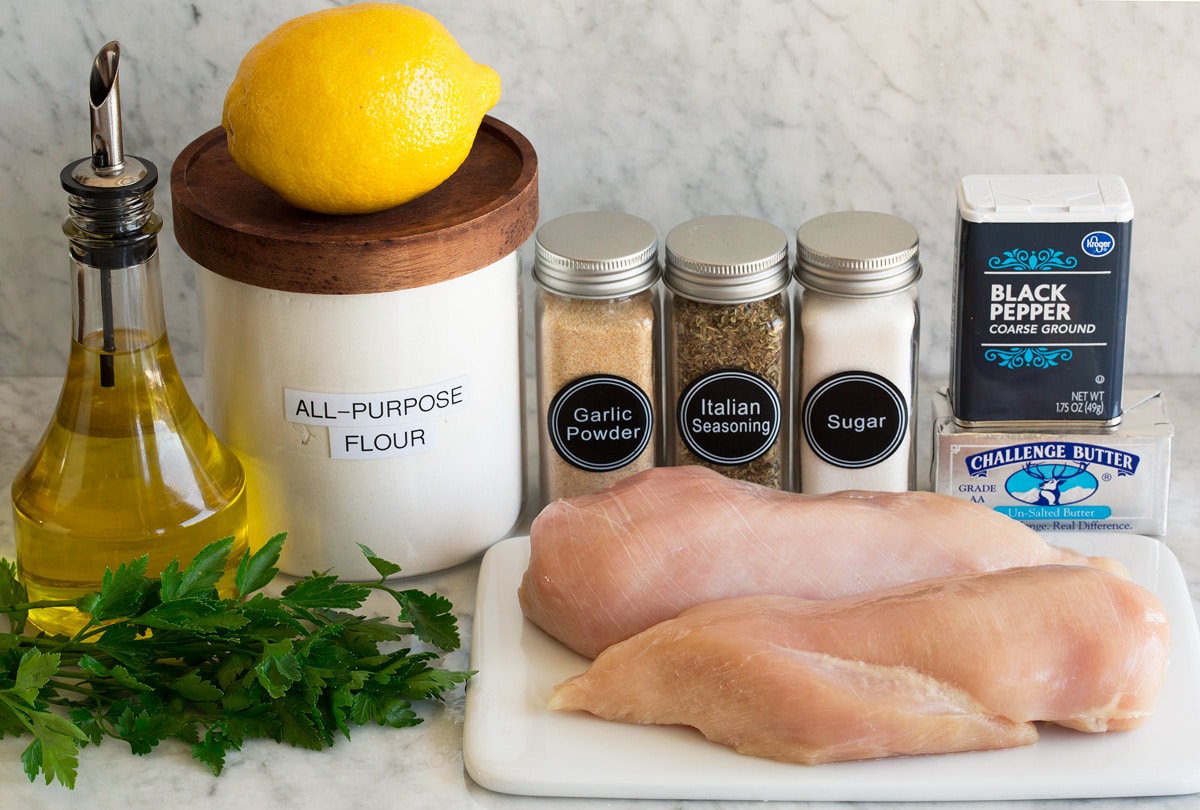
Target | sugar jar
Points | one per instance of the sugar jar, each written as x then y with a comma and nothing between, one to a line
858,338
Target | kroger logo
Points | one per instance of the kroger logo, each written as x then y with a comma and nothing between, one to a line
1098,243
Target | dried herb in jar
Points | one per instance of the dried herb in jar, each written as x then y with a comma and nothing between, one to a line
729,348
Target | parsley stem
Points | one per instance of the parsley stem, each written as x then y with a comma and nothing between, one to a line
25,607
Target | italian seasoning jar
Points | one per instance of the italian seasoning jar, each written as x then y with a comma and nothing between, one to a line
596,314
728,348
858,338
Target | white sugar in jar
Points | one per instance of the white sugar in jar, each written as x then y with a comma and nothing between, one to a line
366,369
858,337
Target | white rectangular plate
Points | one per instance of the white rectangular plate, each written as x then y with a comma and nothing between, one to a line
513,744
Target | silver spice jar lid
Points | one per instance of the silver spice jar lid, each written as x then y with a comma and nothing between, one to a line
857,253
726,259
596,254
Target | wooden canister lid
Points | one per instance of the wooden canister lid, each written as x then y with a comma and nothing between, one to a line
238,228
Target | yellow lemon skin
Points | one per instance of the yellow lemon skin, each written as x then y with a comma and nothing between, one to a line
356,109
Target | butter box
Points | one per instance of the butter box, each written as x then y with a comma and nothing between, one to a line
1089,480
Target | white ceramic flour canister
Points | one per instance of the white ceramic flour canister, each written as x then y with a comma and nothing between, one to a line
366,369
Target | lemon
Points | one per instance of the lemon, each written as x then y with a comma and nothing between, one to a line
356,109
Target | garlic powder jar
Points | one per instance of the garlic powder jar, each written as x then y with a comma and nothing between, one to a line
366,369
858,339
596,329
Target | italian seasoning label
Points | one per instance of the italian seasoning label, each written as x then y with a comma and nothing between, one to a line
729,373
729,417
1040,321
380,425
600,422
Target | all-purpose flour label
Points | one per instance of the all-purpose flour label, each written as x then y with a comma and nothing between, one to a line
379,425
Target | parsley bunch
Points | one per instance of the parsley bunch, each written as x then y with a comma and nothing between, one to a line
168,657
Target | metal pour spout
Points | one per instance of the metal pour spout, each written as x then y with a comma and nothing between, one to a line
108,171
108,150
108,161
112,224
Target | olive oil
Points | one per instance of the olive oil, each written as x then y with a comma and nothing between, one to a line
127,466
121,471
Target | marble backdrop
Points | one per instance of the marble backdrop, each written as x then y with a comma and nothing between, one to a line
782,109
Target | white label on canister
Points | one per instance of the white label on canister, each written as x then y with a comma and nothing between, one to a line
386,441
379,425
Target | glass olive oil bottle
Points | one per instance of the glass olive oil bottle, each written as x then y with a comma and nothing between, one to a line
127,465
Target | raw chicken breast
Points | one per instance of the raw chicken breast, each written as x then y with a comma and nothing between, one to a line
953,664
605,566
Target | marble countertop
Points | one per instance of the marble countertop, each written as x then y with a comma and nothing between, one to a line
779,110
422,767
672,109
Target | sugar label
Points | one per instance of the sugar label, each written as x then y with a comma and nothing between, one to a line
855,419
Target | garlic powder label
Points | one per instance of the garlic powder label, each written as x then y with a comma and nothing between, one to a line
379,425
600,422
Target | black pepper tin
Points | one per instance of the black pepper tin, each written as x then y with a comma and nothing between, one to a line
1041,290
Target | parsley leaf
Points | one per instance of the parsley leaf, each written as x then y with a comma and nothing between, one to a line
201,575
382,566
255,571
122,592
171,657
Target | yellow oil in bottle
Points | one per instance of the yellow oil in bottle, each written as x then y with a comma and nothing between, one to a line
122,470
127,466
